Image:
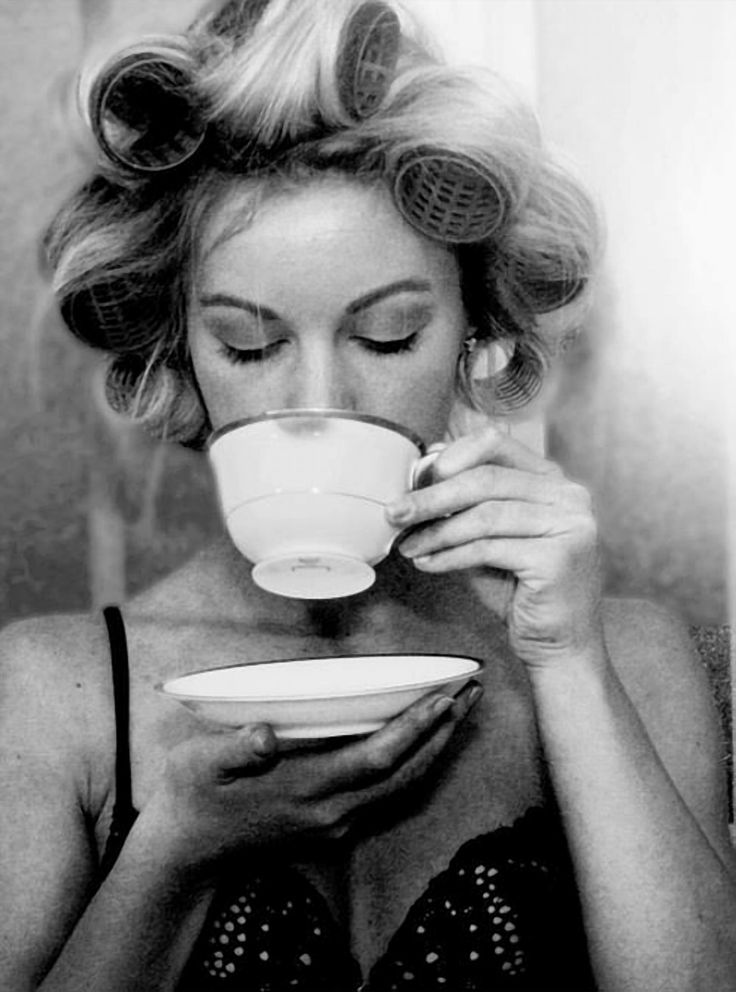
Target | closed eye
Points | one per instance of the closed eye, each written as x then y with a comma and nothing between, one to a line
389,347
241,356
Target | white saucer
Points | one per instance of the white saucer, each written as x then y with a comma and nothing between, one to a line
319,698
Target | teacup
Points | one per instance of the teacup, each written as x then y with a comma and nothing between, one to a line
303,494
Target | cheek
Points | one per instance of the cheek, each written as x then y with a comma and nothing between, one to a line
425,401
214,380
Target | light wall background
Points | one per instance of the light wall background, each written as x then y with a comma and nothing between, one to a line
637,95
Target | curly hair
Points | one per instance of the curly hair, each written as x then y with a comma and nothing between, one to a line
268,81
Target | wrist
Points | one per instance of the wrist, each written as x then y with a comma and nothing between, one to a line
578,672
163,846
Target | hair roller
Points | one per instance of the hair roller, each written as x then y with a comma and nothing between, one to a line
537,281
143,110
368,59
521,378
235,19
120,315
511,387
545,295
448,197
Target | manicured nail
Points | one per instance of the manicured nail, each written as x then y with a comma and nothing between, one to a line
399,512
407,549
469,696
441,705
474,695
262,741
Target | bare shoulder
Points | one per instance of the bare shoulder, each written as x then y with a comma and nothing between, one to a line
55,693
655,658
56,769
56,652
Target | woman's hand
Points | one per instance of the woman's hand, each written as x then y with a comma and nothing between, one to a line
227,791
495,505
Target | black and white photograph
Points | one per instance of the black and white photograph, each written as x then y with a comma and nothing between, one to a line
367,476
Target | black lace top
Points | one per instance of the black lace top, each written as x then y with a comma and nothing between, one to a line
503,915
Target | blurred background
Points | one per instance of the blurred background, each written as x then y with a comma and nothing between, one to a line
638,98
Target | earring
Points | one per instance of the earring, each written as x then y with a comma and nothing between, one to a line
479,366
483,360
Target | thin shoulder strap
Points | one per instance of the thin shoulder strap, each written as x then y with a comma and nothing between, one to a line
123,813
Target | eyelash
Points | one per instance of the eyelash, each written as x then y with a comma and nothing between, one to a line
398,347
244,356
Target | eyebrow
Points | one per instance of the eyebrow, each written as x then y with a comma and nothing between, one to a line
362,303
227,300
400,286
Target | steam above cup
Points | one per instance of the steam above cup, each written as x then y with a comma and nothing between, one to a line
303,495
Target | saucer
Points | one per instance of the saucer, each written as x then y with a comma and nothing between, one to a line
319,698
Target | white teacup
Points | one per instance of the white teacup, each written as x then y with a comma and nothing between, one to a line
303,494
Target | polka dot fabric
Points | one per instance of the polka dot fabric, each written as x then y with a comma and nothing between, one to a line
503,916
275,933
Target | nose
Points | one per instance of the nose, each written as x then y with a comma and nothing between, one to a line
320,381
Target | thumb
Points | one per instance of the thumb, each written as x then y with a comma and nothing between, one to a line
248,750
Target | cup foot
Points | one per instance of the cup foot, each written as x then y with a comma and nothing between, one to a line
314,576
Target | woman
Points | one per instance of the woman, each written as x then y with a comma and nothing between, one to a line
299,207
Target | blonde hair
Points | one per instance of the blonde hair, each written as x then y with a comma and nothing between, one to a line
123,249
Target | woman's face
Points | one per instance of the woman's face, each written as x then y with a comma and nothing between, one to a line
326,299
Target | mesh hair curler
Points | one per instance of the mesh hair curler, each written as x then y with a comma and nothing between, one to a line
143,111
236,18
115,314
368,58
448,197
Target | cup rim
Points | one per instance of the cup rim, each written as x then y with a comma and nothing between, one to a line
331,413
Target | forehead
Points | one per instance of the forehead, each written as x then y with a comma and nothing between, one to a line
328,230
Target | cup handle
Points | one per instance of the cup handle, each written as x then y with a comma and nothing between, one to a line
421,465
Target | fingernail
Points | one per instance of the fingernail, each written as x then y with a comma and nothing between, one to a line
474,695
441,705
262,741
407,549
399,512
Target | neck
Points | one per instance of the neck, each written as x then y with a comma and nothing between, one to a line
400,589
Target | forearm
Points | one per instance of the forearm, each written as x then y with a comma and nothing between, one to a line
138,930
659,904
